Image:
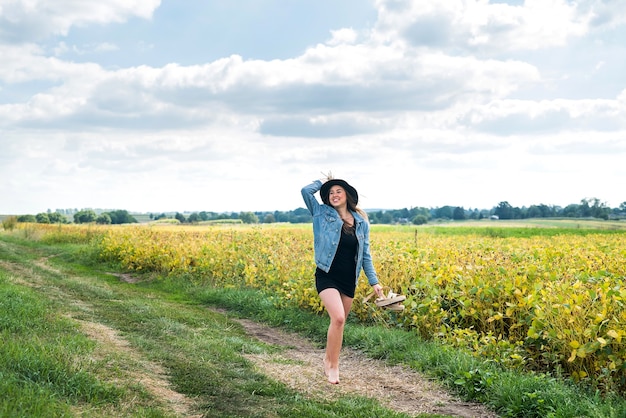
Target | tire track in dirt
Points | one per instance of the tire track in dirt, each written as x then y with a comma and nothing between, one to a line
110,344
152,376
299,365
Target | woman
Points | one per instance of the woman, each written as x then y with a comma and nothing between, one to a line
341,244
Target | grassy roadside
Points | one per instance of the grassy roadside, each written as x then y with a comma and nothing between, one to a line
510,393
78,342
166,322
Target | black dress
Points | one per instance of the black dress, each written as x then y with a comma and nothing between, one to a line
342,273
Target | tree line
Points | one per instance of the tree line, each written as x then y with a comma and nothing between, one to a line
81,217
587,208
300,215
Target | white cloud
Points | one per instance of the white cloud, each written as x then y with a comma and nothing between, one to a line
474,24
525,117
452,98
32,20
324,79
62,48
343,36
604,13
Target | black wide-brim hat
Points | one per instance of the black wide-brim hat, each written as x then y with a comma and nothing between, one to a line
325,190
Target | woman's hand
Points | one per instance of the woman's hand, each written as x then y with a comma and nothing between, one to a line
378,289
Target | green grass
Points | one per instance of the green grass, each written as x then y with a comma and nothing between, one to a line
45,360
42,367
511,229
48,367
512,394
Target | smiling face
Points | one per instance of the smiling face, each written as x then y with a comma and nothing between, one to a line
337,196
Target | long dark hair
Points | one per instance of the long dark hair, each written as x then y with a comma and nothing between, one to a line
352,206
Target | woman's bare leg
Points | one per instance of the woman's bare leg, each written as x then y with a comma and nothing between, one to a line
338,307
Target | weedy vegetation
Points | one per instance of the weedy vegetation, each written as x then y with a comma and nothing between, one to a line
528,320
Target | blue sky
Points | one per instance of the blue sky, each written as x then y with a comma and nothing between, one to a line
194,31
188,105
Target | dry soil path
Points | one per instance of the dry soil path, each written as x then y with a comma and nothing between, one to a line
298,364
399,388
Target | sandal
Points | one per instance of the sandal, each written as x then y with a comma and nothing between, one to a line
396,307
391,299
391,302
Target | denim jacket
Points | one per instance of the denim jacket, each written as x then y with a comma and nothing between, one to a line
327,230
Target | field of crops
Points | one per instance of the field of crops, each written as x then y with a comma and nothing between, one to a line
532,301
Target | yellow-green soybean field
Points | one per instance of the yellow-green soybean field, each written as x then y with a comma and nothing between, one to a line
552,302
